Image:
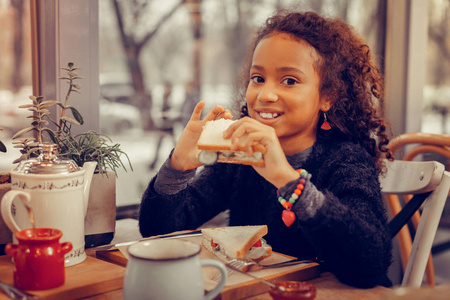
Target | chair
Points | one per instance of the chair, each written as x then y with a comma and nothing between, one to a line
430,184
423,143
427,143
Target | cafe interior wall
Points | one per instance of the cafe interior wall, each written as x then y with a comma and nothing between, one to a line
66,24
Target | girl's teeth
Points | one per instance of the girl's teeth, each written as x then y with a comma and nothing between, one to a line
268,115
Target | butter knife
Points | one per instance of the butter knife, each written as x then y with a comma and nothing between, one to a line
16,293
110,247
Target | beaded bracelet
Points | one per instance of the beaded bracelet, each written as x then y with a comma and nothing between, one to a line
288,216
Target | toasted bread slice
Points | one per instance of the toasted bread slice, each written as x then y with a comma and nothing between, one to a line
211,139
236,242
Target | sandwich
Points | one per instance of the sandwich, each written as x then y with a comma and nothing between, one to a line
237,242
214,148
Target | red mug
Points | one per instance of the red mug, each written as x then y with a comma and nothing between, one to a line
38,258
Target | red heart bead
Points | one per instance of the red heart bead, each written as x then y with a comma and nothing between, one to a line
288,217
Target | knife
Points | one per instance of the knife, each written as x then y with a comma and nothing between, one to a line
16,293
111,247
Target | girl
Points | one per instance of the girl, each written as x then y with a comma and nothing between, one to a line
305,74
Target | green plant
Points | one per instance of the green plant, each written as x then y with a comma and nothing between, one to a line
39,109
87,146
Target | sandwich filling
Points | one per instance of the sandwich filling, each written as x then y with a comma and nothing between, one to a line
224,154
258,250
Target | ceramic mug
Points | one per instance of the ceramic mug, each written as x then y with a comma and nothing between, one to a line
168,269
38,258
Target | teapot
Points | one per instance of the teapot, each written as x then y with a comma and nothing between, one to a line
55,193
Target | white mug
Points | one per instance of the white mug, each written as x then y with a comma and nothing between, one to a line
168,269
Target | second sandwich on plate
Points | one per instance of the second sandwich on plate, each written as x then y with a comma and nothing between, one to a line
240,242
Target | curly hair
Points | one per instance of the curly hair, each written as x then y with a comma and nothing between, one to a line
349,77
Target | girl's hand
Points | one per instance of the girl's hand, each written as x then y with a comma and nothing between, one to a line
246,132
184,156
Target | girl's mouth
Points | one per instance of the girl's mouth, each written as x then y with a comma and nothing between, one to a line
269,116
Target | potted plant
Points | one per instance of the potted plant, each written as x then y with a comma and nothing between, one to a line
87,146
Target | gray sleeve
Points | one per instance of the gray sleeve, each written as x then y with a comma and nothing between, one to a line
309,201
170,181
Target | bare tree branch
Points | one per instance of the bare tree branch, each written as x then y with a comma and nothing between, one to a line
438,35
161,21
16,78
121,26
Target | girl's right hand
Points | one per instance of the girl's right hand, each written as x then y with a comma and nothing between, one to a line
185,154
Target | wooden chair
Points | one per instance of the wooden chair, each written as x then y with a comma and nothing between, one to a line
430,184
417,143
427,143
423,142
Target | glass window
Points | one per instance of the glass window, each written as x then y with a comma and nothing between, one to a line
436,114
15,74
158,60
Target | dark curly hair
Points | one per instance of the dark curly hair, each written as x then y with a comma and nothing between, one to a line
349,77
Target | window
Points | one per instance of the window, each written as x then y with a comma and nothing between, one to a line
436,113
15,73
157,61
150,63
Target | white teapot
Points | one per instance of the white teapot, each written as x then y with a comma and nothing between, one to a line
57,191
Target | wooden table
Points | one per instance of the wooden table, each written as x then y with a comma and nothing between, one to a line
100,286
91,277
328,287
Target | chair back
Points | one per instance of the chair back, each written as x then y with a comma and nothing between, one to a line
423,143
431,183
408,146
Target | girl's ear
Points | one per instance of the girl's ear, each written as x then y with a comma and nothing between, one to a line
326,104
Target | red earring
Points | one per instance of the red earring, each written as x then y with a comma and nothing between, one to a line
325,125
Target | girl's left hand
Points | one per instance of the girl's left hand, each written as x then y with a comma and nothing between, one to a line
246,132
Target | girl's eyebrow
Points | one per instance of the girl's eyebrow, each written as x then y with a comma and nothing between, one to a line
257,67
290,69
281,69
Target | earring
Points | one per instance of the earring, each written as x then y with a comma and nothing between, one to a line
325,125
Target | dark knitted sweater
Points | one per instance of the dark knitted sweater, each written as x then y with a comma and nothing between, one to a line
340,215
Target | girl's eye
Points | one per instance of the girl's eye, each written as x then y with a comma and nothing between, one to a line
290,81
257,79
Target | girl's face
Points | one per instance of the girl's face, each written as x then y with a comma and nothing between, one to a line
284,90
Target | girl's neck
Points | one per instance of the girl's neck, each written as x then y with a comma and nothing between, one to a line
293,146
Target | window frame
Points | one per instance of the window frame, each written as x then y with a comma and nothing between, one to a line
67,31
405,63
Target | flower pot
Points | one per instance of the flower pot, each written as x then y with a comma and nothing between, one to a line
100,222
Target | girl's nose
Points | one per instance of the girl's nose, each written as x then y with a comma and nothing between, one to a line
267,94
